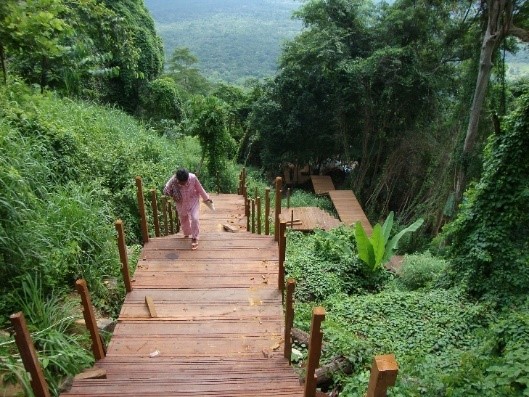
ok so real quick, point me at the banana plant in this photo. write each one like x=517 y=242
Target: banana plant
x=378 y=249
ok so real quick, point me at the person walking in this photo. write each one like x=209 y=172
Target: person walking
x=186 y=190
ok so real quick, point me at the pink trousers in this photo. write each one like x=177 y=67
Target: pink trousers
x=190 y=222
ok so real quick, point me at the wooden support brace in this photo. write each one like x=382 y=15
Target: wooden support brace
x=29 y=355
x=150 y=305
x=383 y=375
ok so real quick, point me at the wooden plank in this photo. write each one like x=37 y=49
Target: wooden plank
x=310 y=218
x=150 y=306
x=349 y=209
x=322 y=184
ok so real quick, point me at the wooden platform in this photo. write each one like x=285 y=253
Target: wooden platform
x=218 y=329
x=349 y=209
x=322 y=184
x=308 y=218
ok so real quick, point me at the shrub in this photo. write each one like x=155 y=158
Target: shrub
x=421 y=271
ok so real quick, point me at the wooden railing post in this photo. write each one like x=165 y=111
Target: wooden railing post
x=253 y=215
x=277 y=208
x=267 y=211
x=29 y=355
x=288 y=198
x=90 y=320
x=383 y=374
x=171 y=219
x=316 y=339
x=289 y=319
x=141 y=207
x=154 y=205
x=122 y=248
x=248 y=217
x=258 y=205
x=282 y=254
x=164 y=216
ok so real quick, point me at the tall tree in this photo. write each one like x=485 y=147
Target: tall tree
x=504 y=18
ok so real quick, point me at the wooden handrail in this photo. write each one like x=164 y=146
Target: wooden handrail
x=29 y=355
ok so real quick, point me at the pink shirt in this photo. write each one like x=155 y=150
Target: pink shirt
x=190 y=193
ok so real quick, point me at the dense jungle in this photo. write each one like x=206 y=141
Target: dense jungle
x=407 y=103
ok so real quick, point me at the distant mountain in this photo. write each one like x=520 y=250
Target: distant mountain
x=233 y=39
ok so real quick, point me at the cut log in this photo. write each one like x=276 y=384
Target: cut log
x=92 y=373
x=337 y=365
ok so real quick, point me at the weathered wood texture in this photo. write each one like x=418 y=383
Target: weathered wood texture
x=349 y=209
x=219 y=326
x=322 y=184
x=306 y=219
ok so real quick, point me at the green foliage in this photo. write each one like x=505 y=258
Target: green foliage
x=49 y=318
x=421 y=271
x=189 y=79
x=378 y=249
x=326 y=262
x=161 y=100
x=208 y=121
x=489 y=241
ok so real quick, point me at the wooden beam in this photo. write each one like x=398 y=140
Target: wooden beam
x=150 y=305
x=141 y=208
x=29 y=355
x=316 y=339
x=123 y=255
x=383 y=374
x=90 y=320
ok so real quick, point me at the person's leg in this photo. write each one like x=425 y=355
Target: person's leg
x=185 y=223
x=195 y=224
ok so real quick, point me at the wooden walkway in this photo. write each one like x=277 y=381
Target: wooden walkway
x=218 y=325
x=344 y=201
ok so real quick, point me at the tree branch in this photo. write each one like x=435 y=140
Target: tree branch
x=520 y=33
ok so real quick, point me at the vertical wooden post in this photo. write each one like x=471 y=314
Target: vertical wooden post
x=122 y=248
x=141 y=206
x=288 y=198
x=278 y=208
x=383 y=374
x=316 y=339
x=267 y=211
x=258 y=205
x=171 y=219
x=154 y=204
x=29 y=355
x=253 y=215
x=90 y=320
x=282 y=250
x=247 y=209
x=164 y=216
x=289 y=319
x=292 y=219
x=243 y=182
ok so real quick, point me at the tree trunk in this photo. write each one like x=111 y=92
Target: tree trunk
x=499 y=23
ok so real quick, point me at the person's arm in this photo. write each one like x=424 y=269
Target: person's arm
x=167 y=190
x=201 y=191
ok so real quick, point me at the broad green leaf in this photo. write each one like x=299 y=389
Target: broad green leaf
x=388 y=224
x=365 y=249
x=393 y=243
x=378 y=242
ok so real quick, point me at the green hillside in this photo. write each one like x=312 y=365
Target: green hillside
x=234 y=39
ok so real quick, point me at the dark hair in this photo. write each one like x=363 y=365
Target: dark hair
x=182 y=175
